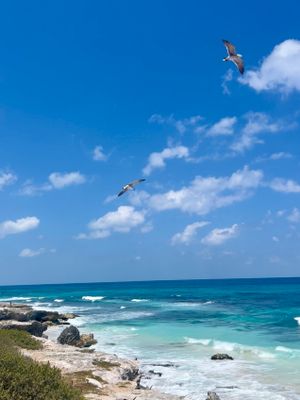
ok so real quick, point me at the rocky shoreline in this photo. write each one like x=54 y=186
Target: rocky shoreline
x=99 y=375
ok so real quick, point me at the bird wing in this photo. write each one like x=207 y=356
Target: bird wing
x=229 y=47
x=239 y=63
x=122 y=192
x=136 y=182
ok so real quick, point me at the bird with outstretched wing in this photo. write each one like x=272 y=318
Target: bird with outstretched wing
x=234 y=56
x=130 y=186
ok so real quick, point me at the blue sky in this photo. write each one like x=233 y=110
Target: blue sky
x=95 y=94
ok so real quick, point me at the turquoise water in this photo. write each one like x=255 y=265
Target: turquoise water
x=182 y=323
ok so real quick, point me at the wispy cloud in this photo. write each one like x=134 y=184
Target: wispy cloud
x=181 y=125
x=99 y=155
x=279 y=71
x=218 y=236
x=29 y=253
x=256 y=124
x=123 y=220
x=285 y=185
x=294 y=216
x=188 y=233
x=204 y=195
x=157 y=160
x=275 y=157
x=6 y=179
x=56 y=180
x=21 y=225
x=224 y=127
x=227 y=77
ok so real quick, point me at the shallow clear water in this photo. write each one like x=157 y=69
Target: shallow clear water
x=182 y=323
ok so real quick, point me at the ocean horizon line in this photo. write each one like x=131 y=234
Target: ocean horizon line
x=266 y=278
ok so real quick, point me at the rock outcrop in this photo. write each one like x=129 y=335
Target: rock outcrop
x=35 y=328
x=69 y=335
x=23 y=313
x=212 y=396
x=86 y=340
x=220 y=356
x=72 y=337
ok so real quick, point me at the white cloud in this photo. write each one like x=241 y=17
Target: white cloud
x=122 y=220
x=98 y=154
x=280 y=156
x=256 y=124
x=188 y=233
x=181 y=125
x=28 y=253
x=279 y=71
x=56 y=180
x=59 y=180
x=218 y=236
x=157 y=160
x=275 y=157
x=227 y=77
x=224 y=127
x=275 y=239
x=20 y=225
x=285 y=185
x=206 y=194
x=6 y=178
x=294 y=216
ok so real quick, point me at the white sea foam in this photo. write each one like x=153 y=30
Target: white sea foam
x=284 y=349
x=297 y=319
x=17 y=299
x=204 y=342
x=139 y=300
x=122 y=307
x=93 y=298
x=191 y=304
x=230 y=347
x=58 y=300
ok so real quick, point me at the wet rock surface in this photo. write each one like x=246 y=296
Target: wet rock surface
x=221 y=356
x=212 y=396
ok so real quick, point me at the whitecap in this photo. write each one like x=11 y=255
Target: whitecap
x=17 y=299
x=122 y=307
x=58 y=300
x=204 y=342
x=297 y=319
x=92 y=298
x=138 y=300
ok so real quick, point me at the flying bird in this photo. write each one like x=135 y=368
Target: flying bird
x=130 y=186
x=233 y=56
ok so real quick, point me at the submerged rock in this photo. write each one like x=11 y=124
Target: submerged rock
x=220 y=356
x=69 y=335
x=212 y=396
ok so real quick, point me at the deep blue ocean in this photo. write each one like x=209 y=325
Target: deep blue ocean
x=183 y=323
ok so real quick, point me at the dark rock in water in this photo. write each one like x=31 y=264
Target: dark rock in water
x=220 y=356
x=86 y=340
x=212 y=396
x=168 y=365
x=35 y=328
x=69 y=335
x=152 y=372
x=66 y=316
